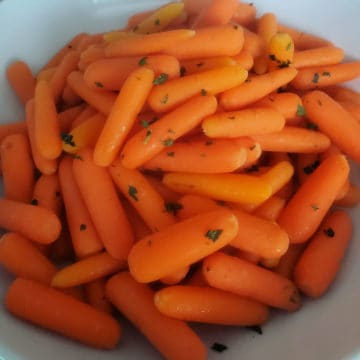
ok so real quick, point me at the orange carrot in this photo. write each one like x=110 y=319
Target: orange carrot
x=50 y=309
x=245 y=14
x=306 y=165
x=70 y=97
x=340 y=93
x=6 y=129
x=271 y=208
x=176 y=276
x=22 y=80
x=67 y=116
x=173 y=338
x=46 y=74
x=197 y=65
x=195 y=7
x=307 y=208
x=319 y=263
x=253 y=44
x=352 y=108
x=244 y=59
x=168 y=194
x=287 y=262
x=95 y=295
x=86 y=113
x=280 y=51
x=209 y=305
x=327 y=55
x=351 y=198
x=104 y=206
x=154 y=256
x=245 y=279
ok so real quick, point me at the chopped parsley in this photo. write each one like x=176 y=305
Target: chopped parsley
x=309 y=169
x=314 y=207
x=182 y=71
x=67 y=139
x=132 y=191
x=311 y=126
x=209 y=142
x=288 y=46
x=315 y=79
x=165 y=99
x=284 y=64
x=82 y=227
x=272 y=57
x=214 y=234
x=235 y=27
x=147 y=136
x=203 y=92
x=326 y=73
x=145 y=123
x=300 y=110
x=255 y=328
x=218 y=347
x=76 y=156
x=329 y=232
x=161 y=79
x=173 y=207
x=143 y=61
x=99 y=84
x=34 y=202
x=168 y=142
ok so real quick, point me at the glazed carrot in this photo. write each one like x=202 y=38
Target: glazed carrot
x=197 y=65
x=47 y=128
x=246 y=122
x=173 y=338
x=152 y=139
x=253 y=44
x=256 y=88
x=247 y=256
x=245 y=14
x=38 y=224
x=293 y=140
x=244 y=59
x=53 y=310
x=67 y=116
x=176 y=276
x=70 y=97
x=104 y=206
x=322 y=76
x=84 y=115
x=122 y=117
x=17 y=168
x=241 y=188
x=46 y=74
x=110 y=74
x=280 y=51
x=101 y=101
x=88 y=269
x=141 y=194
x=209 y=305
x=168 y=195
x=195 y=7
x=137 y=18
x=306 y=165
x=181 y=244
x=340 y=93
x=90 y=55
x=141 y=45
x=226 y=40
x=271 y=208
x=22 y=80
x=95 y=295
x=175 y=92
x=200 y=156
x=307 y=208
x=326 y=113
x=6 y=129
x=287 y=262
x=47 y=193
x=351 y=198
x=22 y=258
x=352 y=108
x=319 y=263
x=245 y=279
x=326 y=55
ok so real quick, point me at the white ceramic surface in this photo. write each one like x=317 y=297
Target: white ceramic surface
x=327 y=329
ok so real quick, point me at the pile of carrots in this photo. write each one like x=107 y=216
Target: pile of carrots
x=188 y=165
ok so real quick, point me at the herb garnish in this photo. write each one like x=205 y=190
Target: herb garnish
x=147 y=136
x=67 y=139
x=218 y=347
x=99 y=84
x=213 y=234
x=161 y=79
x=132 y=191
x=329 y=232
x=82 y=227
x=300 y=110
x=143 y=61
x=315 y=79
x=168 y=142
x=173 y=207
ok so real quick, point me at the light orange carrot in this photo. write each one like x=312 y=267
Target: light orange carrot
x=69 y=97
x=46 y=74
x=253 y=44
x=195 y=7
x=244 y=59
x=96 y=297
x=84 y=115
x=245 y=14
x=6 y=129
x=327 y=55
x=352 y=108
x=287 y=262
x=197 y=65
x=341 y=93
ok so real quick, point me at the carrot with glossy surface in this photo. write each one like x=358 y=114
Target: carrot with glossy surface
x=288 y=261
x=67 y=116
x=11 y=128
x=176 y=276
x=197 y=65
x=253 y=43
x=326 y=55
x=96 y=297
x=271 y=208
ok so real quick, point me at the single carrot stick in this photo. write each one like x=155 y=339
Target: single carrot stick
x=352 y=108
x=176 y=276
x=351 y=198
x=53 y=310
x=101 y=101
x=69 y=97
x=200 y=156
x=247 y=256
x=244 y=59
x=340 y=93
x=327 y=114
x=196 y=279
x=253 y=43
x=22 y=258
x=122 y=117
x=154 y=256
x=280 y=51
x=247 y=122
x=307 y=208
x=245 y=279
x=96 y=297
x=193 y=66
x=168 y=194
x=22 y=80
x=174 y=339
x=84 y=115
x=17 y=168
x=226 y=40
x=47 y=129
x=104 y=206
x=141 y=45
x=326 y=55
x=256 y=88
x=287 y=262
x=89 y=40
x=177 y=91
x=38 y=224
x=323 y=76
x=86 y=270
x=152 y=139
x=306 y=165
x=209 y=305
x=293 y=140
x=141 y=194
x=46 y=74
x=195 y=7
x=245 y=14
x=319 y=263
x=241 y=188
x=91 y=54
x=137 y=18
x=18 y=127
x=271 y=208
x=67 y=116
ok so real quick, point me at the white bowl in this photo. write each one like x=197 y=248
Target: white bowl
x=326 y=329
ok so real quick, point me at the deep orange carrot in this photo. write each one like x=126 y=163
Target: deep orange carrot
x=341 y=93
x=22 y=258
x=84 y=115
x=287 y=262
x=176 y=276
x=62 y=249
x=271 y=208
x=53 y=310
x=327 y=55
x=197 y=65
x=18 y=127
x=93 y=53
x=174 y=339
x=69 y=97
x=352 y=108
x=243 y=278
x=319 y=263
x=96 y=297
x=307 y=208
x=22 y=80
x=245 y=14
x=306 y=165
x=104 y=206
x=181 y=244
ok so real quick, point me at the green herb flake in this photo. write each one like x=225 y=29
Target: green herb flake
x=329 y=232
x=300 y=110
x=312 y=126
x=319 y=102
x=99 y=84
x=147 y=136
x=311 y=168
x=252 y=147
x=143 y=61
x=76 y=157
x=315 y=79
x=173 y=207
x=165 y=99
x=82 y=227
x=272 y=57
x=182 y=71
x=235 y=26
x=145 y=123
x=288 y=46
x=132 y=191
x=157 y=22
x=161 y=79
x=170 y=153
x=214 y=234
x=218 y=347
x=34 y=202
x=255 y=328
x=326 y=73
x=203 y=92
x=168 y=142
x=314 y=207
x=284 y=64
x=171 y=131
x=67 y=139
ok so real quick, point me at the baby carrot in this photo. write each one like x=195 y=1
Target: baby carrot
x=244 y=59
x=88 y=269
x=271 y=208
x=53 y=310
x=319 y=263
x=93 y=53
x=197 y=65
x=341 y=93
x=256 y=88
x=177 y=91
x=173 y=338
x=245 y=14
x=352 y=108
x=128 y=104
x=195 y=7
x=17 y=168
x=326 y=113
x=96 y=297
x=67 y=116
x=18 y=127
x=104 y=205
x=46 y=74
x=251 y=281
x=351 y=198
x=86 y=113
x=181 y=244
x=308 y=206
x=70 y=97
x=22 y=258
x=22 y=80
x=326 y=55
x=155 y=137
x=280 y=51
x=253 y=44
x=208 y=305
x=176 y=276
